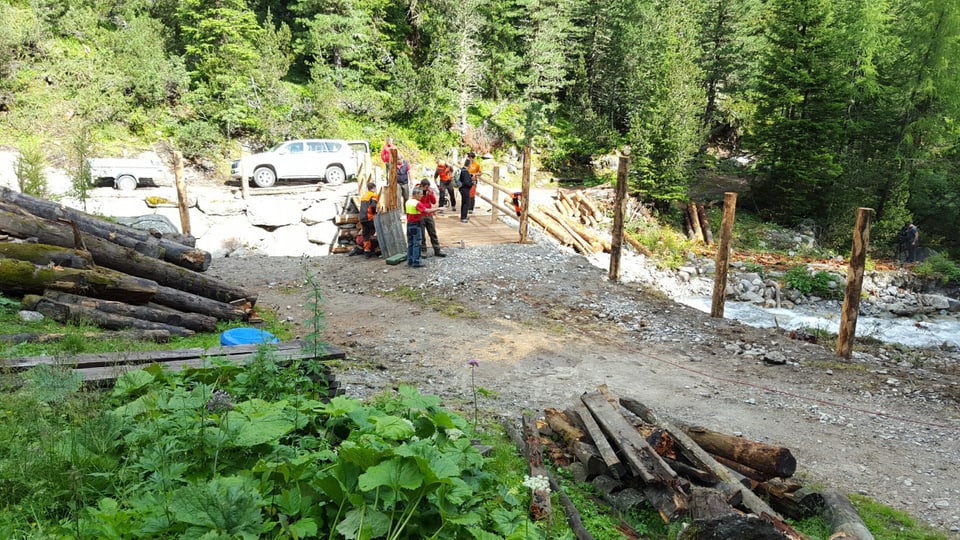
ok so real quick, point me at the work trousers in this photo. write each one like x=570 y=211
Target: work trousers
x=464 y=201
x=414 y=235
x=447 y=187
x=429 y=227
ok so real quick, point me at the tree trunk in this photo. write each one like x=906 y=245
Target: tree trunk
x=694 y=221
x=192 y=303
x=705 y=224
x=192 y=321
x=21 y=277
x=111 y=255
x=46 y=255
x=156 y=336
x=845 y=522
x=562 y=426
x=764 y=458
x=609 y=456
x=63 y=312
x=171 y=250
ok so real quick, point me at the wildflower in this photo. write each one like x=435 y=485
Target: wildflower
x=537 y=483
x=220 y=402
x=473 y=362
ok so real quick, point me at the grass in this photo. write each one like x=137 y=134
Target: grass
x=445 y=306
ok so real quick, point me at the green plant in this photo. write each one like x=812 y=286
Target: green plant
x=29 y=170
x=889 y=524
x=81 y=148
x=938 y=267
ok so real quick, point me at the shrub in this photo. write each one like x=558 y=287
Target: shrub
x=28 y=169
x=198 y=140
x=938 y=267
x=800 y=279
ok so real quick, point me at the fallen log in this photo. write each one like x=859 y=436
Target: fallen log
x=705 y=224
x=562 y=426
x=845 y=522
x=740 y=527
x=21 y=277
x=116 y=257
x=635 y=243
x=582 y=244
x=660 y=483
x=46 y=255
x=192 y=303
x=179 y=251
x=65 y=312
x=747 y=472
x=539 y=497
x=552 y=228
x=700 y=458
x=775 y=461
x=191 y=321
x=588 y=455
x=798 y=504
x=156 y=336
x=586 y=201
x=573 y=515
x=595 y=242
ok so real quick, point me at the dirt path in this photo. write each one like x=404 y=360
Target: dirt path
x=546 y=327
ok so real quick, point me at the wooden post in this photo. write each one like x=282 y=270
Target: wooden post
x=705 y=225
x=619 y=211
x=723 y=254
x=182 y=202
x=525 y=201
x=694 y=216
x=496 y=193
x=244 y=188
x=851 y=295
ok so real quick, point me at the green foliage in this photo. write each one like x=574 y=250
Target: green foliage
x=802 y=280
x=81 y=148
x=888 y=524
x=938 y=267
x=199 y=140
x=669 y=247
x=247 y=453
x=29 y=170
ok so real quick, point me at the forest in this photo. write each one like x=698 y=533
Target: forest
x=823 y=106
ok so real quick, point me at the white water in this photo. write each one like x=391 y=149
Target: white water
x=933 y=333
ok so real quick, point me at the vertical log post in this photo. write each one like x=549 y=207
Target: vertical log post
x=723 y=255
x=705 y=225
x=182 y=204
x=391 y=193
x=244 y=188
x=525 y=197
x=496 y=194
x=695 y=222
x=851 y=295
x=619 y=211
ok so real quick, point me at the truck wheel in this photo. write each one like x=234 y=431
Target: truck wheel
x=264 y=176
x=335 y=175
x=126 y=183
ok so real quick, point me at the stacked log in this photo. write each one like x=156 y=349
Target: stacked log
x=348 y=225
x=623 y=448
x=569 y=220
x=70 y=266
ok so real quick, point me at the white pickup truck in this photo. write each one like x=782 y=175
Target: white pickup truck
x=128 y=173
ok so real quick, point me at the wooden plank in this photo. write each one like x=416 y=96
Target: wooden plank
x=660 y=483
x=91 y=360
x=617 y=468
x=107 y=373
x=390 y=232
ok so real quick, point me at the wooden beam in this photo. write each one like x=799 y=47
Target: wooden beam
x=851 y=294
x=723 y=255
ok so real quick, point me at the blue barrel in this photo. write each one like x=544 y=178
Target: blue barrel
x=246 y=336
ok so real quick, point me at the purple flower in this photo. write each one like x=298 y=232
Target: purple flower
x=473 y=362
x=220 y=402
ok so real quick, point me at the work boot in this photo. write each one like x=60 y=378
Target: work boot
x=439 y=253
x=369 y=254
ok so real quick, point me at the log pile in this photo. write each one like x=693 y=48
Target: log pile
x=348 y=225
x=570 y=220
x=70 y=266
x=730 y=487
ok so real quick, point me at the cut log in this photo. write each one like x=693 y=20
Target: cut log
x=614 y=465
x=844 y=520
x=747 y=472
x=660 y=483
x=699 y=457
x=192 y=303
x=798 y=504
x=586 y=201
x=562 y=426
x=20 y=277
x=552 y=227
x=116 y=257
x=588 y=455
x=582 y=244
x=156 y=336
x=573 y=515
x=64 y=313
x=46 y=255
x=705 y=224
x=765 y=458
x=191 y=321
x=594 y=240
x=695 y=221
x=734 y=526
x=708 y=504
x=539 y=498
x=635 y=243
x=179 y=251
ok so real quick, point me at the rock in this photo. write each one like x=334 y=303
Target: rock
x=776 y=358
x=264 y=212
x=30 y=316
